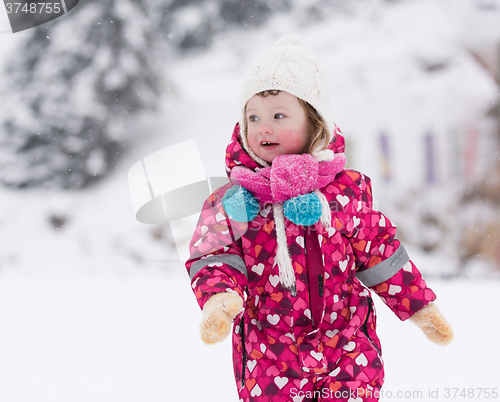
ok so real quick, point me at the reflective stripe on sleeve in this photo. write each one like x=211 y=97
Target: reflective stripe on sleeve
x=233 y=260
x=384 y=270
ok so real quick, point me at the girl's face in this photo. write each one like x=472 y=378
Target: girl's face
x=277 y=125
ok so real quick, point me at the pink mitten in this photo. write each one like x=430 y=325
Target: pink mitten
x=218 y=314
x=434 y=325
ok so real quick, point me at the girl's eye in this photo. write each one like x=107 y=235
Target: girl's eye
x=279 y=116
x=253 y=118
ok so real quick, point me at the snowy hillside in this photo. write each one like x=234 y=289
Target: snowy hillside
x=90 y=310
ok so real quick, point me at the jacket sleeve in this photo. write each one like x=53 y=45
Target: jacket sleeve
x=216 y=263
x=382 y=263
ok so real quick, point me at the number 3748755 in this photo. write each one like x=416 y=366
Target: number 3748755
x=471 y=393
x=33 y=8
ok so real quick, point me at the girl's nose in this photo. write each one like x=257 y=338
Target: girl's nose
x=265 y=128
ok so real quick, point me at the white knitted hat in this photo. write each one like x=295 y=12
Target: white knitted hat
x=288 y=66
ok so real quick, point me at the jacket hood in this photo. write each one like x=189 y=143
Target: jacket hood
x=236 y=155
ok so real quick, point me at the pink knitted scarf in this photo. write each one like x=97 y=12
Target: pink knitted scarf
x=289 y=176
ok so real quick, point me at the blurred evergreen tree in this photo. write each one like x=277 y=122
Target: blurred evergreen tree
x=69 y=86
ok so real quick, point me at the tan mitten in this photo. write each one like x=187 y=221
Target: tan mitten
x=434 y=325
x=218 y=314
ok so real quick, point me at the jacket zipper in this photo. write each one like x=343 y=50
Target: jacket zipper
x=321 y=284
x=244 y=357
x=365 y=324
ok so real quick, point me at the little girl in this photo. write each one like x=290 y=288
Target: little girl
x=288 y=249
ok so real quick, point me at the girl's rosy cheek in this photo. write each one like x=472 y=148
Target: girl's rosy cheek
x=288 y=135
x=291 y=138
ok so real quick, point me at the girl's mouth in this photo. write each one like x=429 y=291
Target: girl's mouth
x=268 y=144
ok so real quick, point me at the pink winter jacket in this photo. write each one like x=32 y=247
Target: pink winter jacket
x=359 y=251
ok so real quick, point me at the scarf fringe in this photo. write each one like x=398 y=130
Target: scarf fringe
x=287 y=274
x=326 y=213
x=283 y=259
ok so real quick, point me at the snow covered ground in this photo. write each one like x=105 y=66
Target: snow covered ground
x=85 y=313
x=136 y=338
